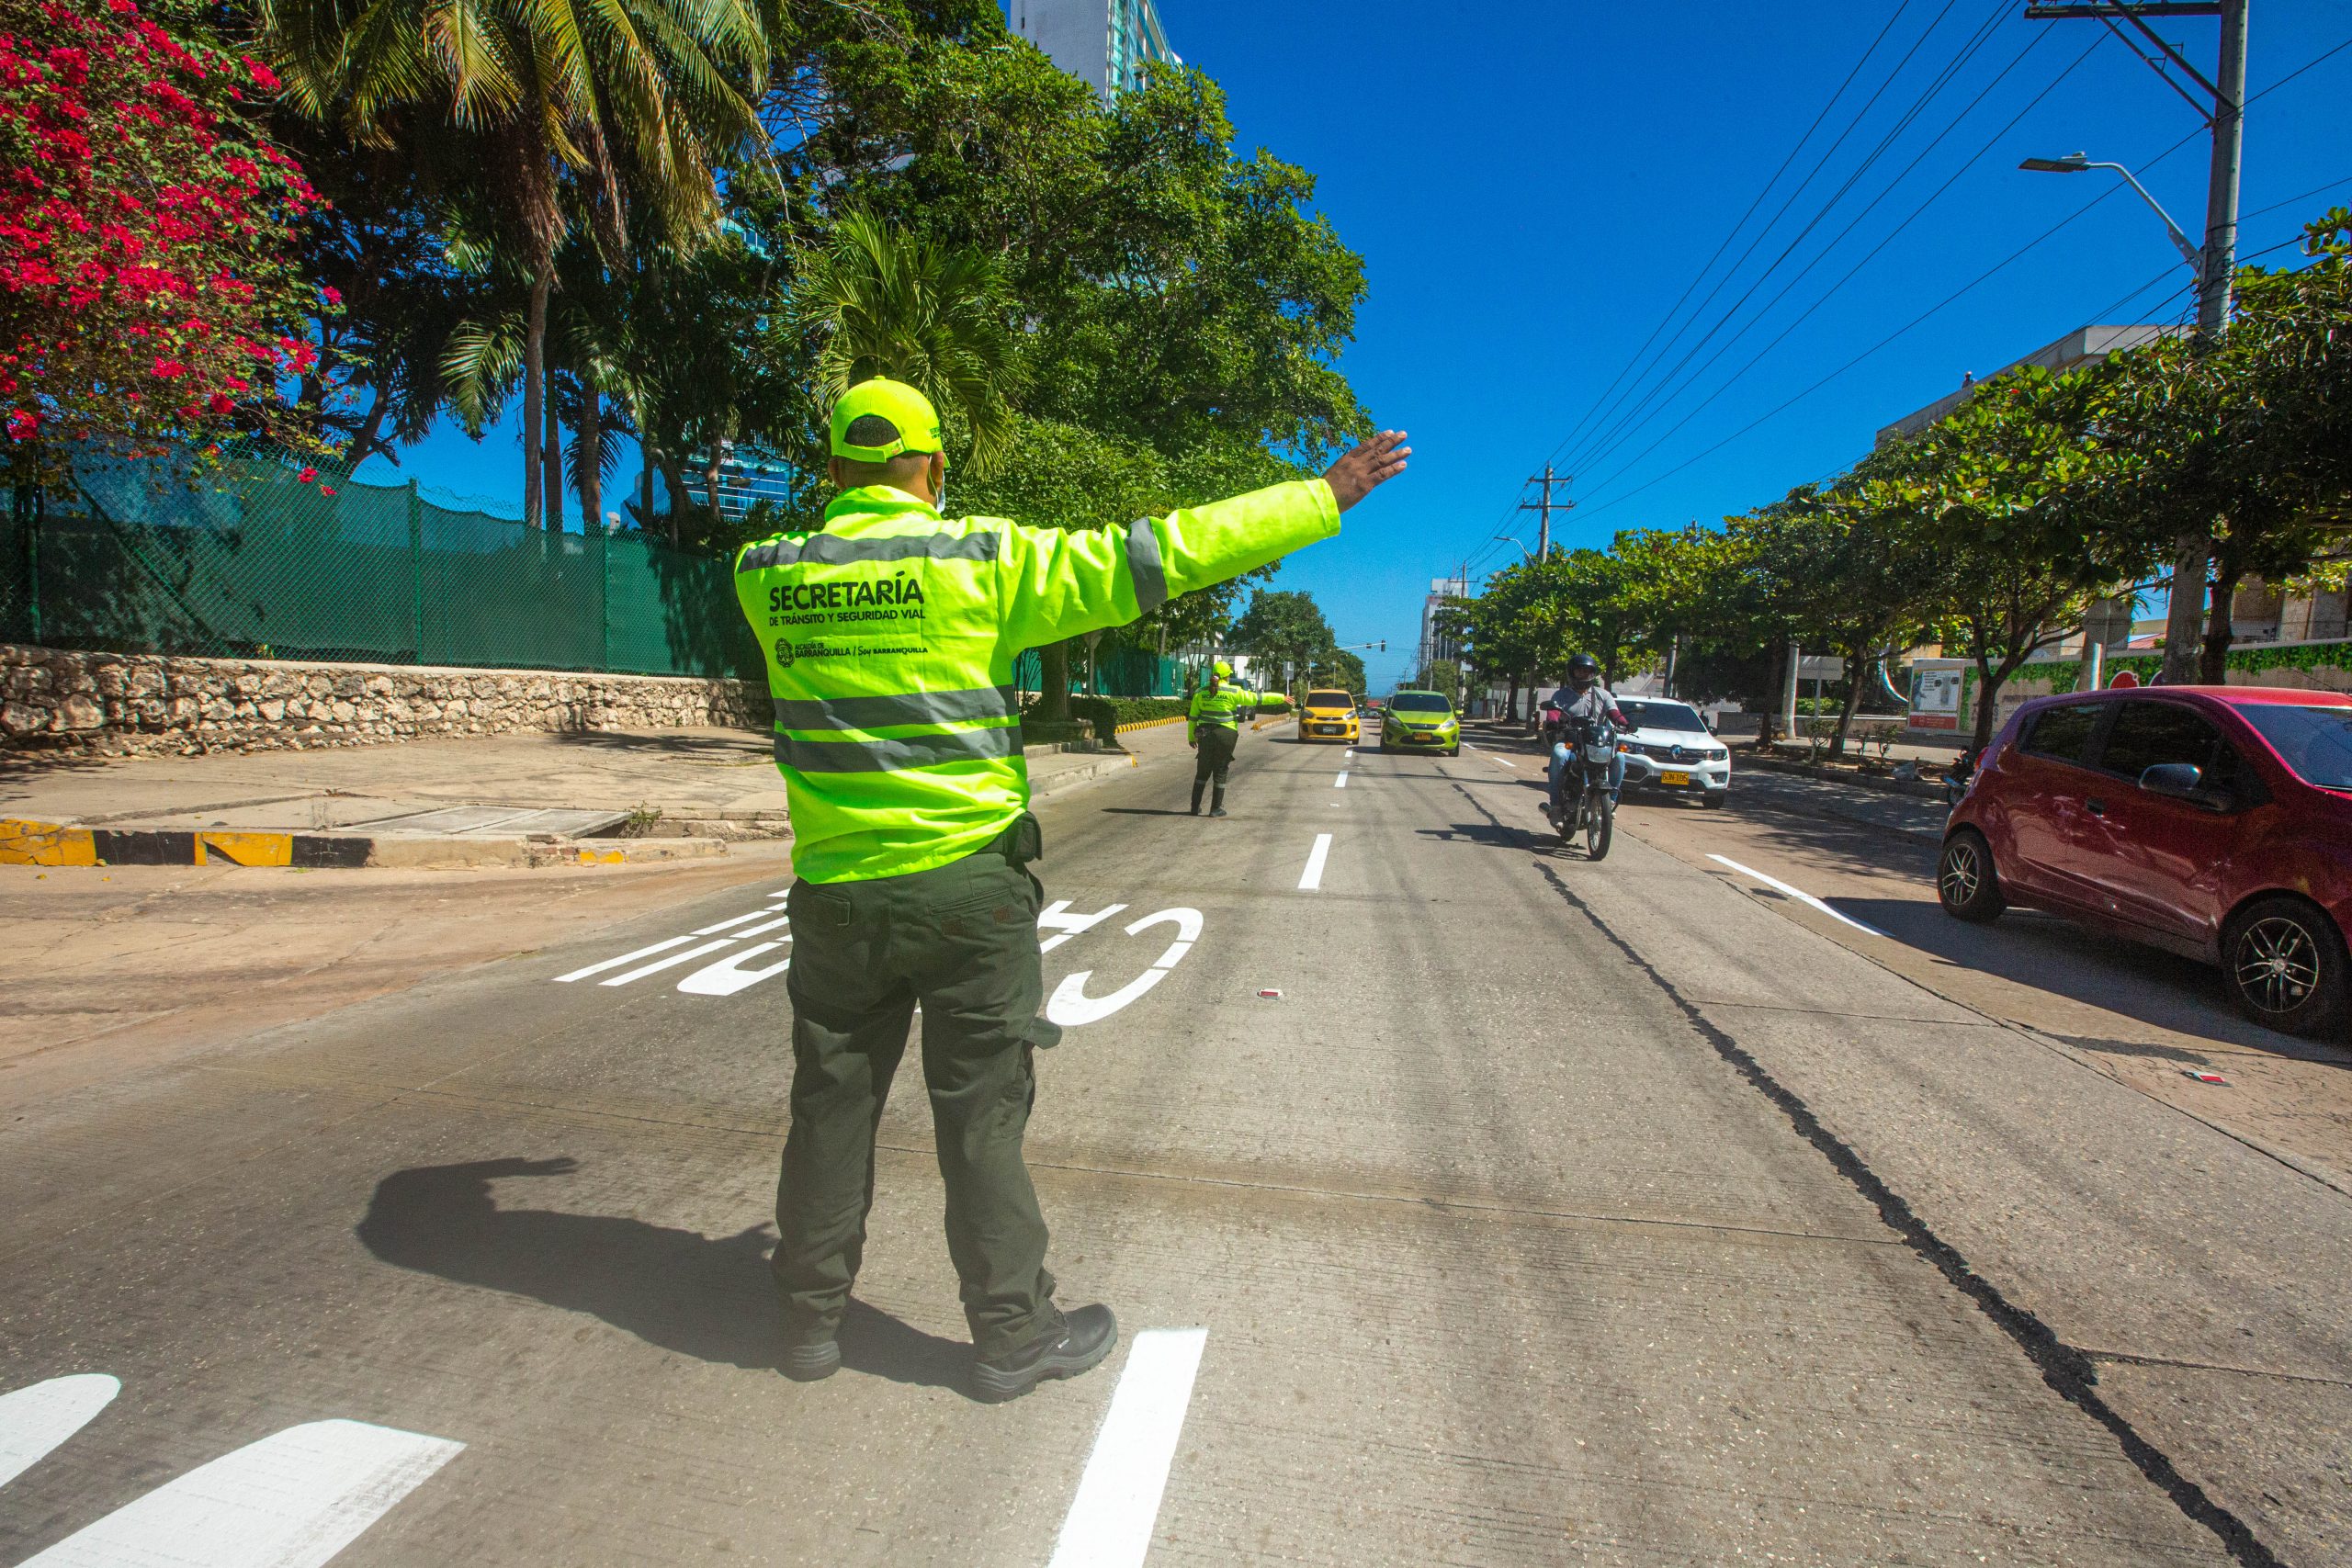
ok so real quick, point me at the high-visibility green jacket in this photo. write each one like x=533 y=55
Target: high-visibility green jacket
x=890 y=637
x=1223 y=706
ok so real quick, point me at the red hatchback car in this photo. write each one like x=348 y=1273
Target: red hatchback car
x=2213 y=820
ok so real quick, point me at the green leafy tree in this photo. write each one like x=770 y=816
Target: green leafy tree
x=1286 y=628
x=563 y=111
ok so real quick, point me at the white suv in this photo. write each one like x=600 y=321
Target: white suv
x=1670 y=747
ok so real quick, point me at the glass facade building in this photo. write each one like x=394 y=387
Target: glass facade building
x=1108 y=44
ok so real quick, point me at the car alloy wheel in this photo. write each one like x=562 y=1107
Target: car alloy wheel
x=2285 y=966
x=1966 y=884
x=2278 y=963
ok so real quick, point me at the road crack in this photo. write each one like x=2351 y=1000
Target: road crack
x=2071 y=1372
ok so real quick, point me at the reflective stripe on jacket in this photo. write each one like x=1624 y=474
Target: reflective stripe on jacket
x=889 y=639
x=1223 y=706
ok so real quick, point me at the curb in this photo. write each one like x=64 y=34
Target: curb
x=1149 y=723
x=50 y=843
x=1920 y=788
x=1070 y=777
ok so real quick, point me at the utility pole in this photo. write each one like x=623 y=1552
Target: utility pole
x=1545 y=507
x=2217 y=266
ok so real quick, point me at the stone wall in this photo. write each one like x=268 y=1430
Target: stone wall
x=118 y=703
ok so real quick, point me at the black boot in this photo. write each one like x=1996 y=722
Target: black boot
x=1069 y=1345
x=1198 y=785
x=1216 y=802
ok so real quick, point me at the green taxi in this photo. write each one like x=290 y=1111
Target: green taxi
x=1421 y=721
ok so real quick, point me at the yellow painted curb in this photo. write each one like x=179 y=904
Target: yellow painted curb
x=1149 y=724
x=45 y=843
x=244 y=849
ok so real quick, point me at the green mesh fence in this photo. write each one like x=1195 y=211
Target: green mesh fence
x=247 y=562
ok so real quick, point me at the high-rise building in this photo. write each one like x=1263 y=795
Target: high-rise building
x=1438 y=646
x=1105 y=43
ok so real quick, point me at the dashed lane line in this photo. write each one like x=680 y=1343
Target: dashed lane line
x=1111 y=1521
x=1342 y=782
x=1312 y=878
x=1799 y=893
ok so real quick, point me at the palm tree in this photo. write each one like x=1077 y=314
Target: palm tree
x=623 y=105
x=916 y=312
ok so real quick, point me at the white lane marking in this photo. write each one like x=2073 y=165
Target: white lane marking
x=624 y=958
x=1070 y=1006
x=1058 y=917
x=1497 y=760
x=292 y=1500
x=34 y=1420
x=723 y=925
x=726 y=975
x=1312 y=878
x=1111 y=1521
x=761 y=930
x=642 y=970
x=1799 y=893
x=1342 y=782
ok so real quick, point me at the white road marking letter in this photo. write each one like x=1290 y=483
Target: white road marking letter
x=642 y=970
x=292 y=1500
x=1057 y=915
x=1070 y=1006
x=1312 y=878
x=36 y=1419
x=1799 y=893
x=1110 y=1521
x=723 y=925
x=728 y=975
x=624 y=958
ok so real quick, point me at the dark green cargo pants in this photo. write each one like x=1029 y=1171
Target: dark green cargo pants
x=962 y=939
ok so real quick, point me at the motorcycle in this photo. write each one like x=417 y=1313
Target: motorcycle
x=1584 y=788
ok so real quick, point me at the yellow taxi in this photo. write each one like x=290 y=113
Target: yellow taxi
x=1328 y=715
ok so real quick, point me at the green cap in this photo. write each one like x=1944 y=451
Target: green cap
x=1224 y=672
x=913 y=422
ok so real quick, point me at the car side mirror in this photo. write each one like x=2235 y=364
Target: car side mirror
x=2183 y=781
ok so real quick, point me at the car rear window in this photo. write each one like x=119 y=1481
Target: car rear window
x=2064 y=733
x=2317 y=742
x=1330 y=700
x=1419 y=702
x=2146 y=734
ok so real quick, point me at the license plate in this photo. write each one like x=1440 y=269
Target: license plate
x=1674 y=778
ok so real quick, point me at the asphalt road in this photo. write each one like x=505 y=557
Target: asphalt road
x=1547 y=1212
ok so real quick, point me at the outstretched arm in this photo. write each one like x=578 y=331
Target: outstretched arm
x=1062 y=584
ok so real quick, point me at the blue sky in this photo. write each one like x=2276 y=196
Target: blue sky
x=1533 y=185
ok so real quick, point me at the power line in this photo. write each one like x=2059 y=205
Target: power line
x=1733 y=233
x=1917 y=213
x=1967 y=50
x=1851 y=272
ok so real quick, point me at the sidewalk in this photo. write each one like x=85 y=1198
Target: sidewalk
x=518 y=799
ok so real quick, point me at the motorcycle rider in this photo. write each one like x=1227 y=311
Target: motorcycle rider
x=1583 y=703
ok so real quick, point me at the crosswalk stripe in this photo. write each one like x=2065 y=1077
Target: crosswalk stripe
x=35 y=1420
x=292 y=1500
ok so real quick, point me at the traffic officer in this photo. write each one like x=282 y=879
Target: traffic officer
x=889 y=639
x=1212 y=729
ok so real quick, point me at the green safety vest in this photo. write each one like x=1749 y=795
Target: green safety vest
x=890 y=636
x=1223 y=706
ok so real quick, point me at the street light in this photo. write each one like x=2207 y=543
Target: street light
x=2078 y=163
x=1507 y=539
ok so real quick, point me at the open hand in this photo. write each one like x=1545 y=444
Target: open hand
x=1369 y=463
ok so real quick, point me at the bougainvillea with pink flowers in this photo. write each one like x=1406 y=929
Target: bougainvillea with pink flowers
x=147 y=291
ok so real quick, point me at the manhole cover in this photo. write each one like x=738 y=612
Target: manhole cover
x=502 y=821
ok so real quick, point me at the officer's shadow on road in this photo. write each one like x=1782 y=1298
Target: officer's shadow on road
x=708 y=1297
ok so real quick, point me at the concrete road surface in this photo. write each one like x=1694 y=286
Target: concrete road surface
x=1527 y=1209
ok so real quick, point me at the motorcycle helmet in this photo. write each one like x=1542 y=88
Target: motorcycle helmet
x=1583 y=670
